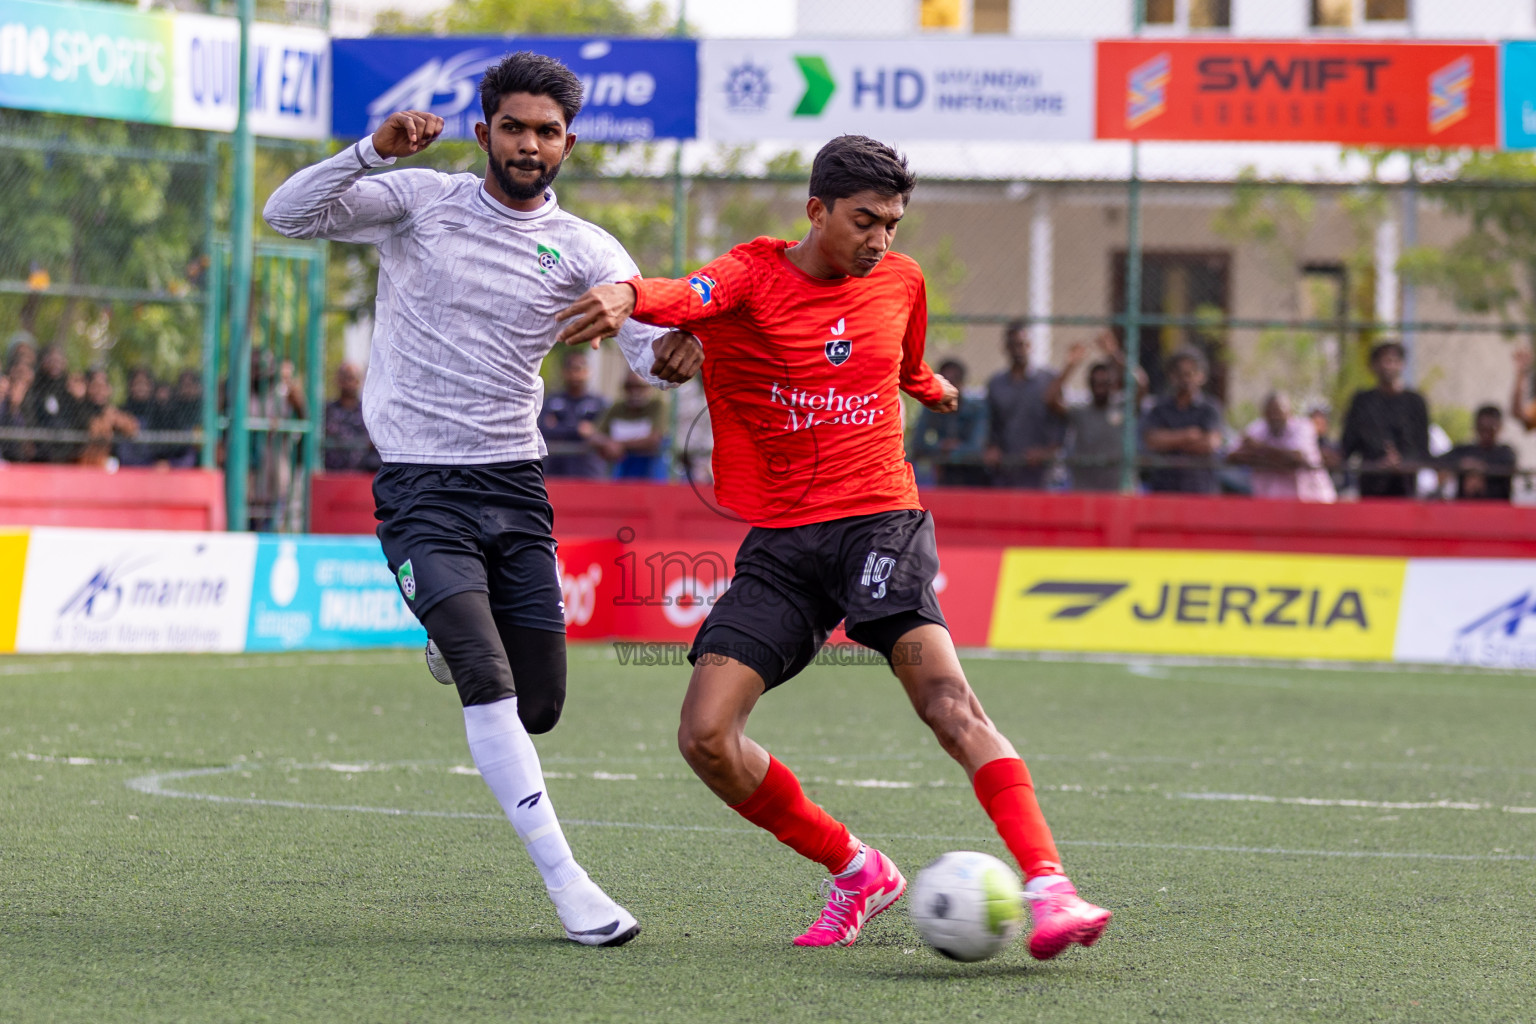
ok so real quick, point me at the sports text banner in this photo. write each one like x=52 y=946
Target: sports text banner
x=320 y=593
x=1361 y=93
x=100 y=60
x=635 y=89
x=135 y=590
x=1197 y=602
x=903 y=89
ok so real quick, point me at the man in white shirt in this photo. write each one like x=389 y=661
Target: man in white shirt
x=471 y=273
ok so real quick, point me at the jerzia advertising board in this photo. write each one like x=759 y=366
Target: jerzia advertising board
x=1356 y=93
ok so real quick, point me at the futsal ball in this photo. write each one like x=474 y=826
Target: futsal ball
x=967 y=905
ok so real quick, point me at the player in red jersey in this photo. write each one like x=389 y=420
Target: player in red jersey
x=806 y=345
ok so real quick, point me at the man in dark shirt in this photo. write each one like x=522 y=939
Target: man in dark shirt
x=347 y=446
x=1024 y=434
x=1387 y=426
x=1184 y=430
x=954 y=441
x=569 y=421
x=1484 y=469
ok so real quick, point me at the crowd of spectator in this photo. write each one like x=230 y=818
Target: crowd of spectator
x=1024 y=431
x=50 y=412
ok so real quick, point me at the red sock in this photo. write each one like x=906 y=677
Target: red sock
x=781 y=806
x=1008 y=796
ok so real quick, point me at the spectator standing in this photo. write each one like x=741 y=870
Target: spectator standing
x=347 y=447
x=13 y=402
x=1184 y=428
x=1322 y=427
x=954 y=442
x=1096 y=428
x=1387 y=427
x=276 y=395
x=1485 y=469
x=568 y=421
x=630 y=432
x=1283 y=453
x=145 y=410
x=50 y=406
x=1024 y=436
x=104 y=422
x=181 y=412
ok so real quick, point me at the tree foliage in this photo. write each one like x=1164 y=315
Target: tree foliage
x=529 y=17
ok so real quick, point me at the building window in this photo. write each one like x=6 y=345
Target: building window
x=1188 y=14
x=1349 y=13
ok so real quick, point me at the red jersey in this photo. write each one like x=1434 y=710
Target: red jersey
x=802 y=378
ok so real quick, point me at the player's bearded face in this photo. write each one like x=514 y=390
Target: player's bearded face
x=532 y=175
x=526 y=142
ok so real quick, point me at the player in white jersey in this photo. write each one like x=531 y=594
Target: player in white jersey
x=471 y=273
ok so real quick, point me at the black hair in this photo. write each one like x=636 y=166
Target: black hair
x=1488 y=410
x=1381 y=348
x=1188 y=355
x=946 y=364
x=1102 y=366
x=1013 y=327
x=534 y=74
x=850 y=164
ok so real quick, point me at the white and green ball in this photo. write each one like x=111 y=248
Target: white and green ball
x=967 y=905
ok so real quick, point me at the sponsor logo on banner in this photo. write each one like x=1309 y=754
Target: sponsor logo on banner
x=13 y=565
x=900 y=89
x=1518 y=68
x=100 y=60
x=290 y=77
x=1361 y=92
x=635 y=89
x=321 y=593
x=1258 y=605
x=135 y=590
x=1469 y=611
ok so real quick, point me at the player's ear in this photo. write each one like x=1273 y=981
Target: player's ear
x=570 y=140
x=816 y=210
x=483 y=135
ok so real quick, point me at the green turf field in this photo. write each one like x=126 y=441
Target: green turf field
x=1382 y=870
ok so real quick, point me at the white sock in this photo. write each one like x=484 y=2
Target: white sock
x=854 y=865
x=1044 y=882
x=510 y=766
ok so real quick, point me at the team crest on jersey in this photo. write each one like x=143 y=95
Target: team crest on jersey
x=703 y=287
x=838 y=348
x=407 y=577
x=548 y=258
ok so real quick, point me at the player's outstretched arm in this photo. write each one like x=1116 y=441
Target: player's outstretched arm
x=332 y=199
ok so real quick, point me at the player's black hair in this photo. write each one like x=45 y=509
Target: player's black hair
x=850 y=164
x=1381 y=348
x=534 y=74
x=1488 y=410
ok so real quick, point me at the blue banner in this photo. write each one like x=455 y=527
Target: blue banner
x=1518 y=62
x=635 y=89
x=322 y=593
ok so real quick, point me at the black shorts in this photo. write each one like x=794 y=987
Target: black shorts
x=451 y=529
x=793 y=585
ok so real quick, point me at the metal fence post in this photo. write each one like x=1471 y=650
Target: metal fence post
x=1132 y=322
x=237 y=453
x=315 y=377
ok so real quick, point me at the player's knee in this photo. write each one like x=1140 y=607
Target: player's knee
x=540 y=714
x=705 y=746
x=949 y=710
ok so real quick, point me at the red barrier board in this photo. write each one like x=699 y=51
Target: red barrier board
x=129 y=499
x=1352 y=92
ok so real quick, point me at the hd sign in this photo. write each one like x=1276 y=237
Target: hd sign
x=1356 y=93
x=903 y=90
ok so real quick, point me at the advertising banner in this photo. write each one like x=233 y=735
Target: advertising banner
x=13 y=563
x=1358 y=93
x=1517 y=65
x=1469 y=611
x=322 y=593
x=100 y=60
x=1198 y=602
x=897 y=89
x=635 y=89
x=290 y=77
x=135 y=590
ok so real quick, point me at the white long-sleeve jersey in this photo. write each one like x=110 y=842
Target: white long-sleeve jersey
x=468 y=291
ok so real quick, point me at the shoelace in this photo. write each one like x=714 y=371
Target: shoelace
x=839 y=906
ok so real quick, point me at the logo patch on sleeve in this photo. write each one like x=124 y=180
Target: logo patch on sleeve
x=547 y=258
x=703 y=287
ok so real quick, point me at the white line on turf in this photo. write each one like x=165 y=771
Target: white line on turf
x=154 y=784
x=1381 y=805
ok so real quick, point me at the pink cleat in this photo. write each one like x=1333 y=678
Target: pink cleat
x=1062 y=918
x=852 y=902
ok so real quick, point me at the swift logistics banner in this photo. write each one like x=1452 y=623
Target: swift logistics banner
x=636 y=89
x=897 y=89
x=1353 y=92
